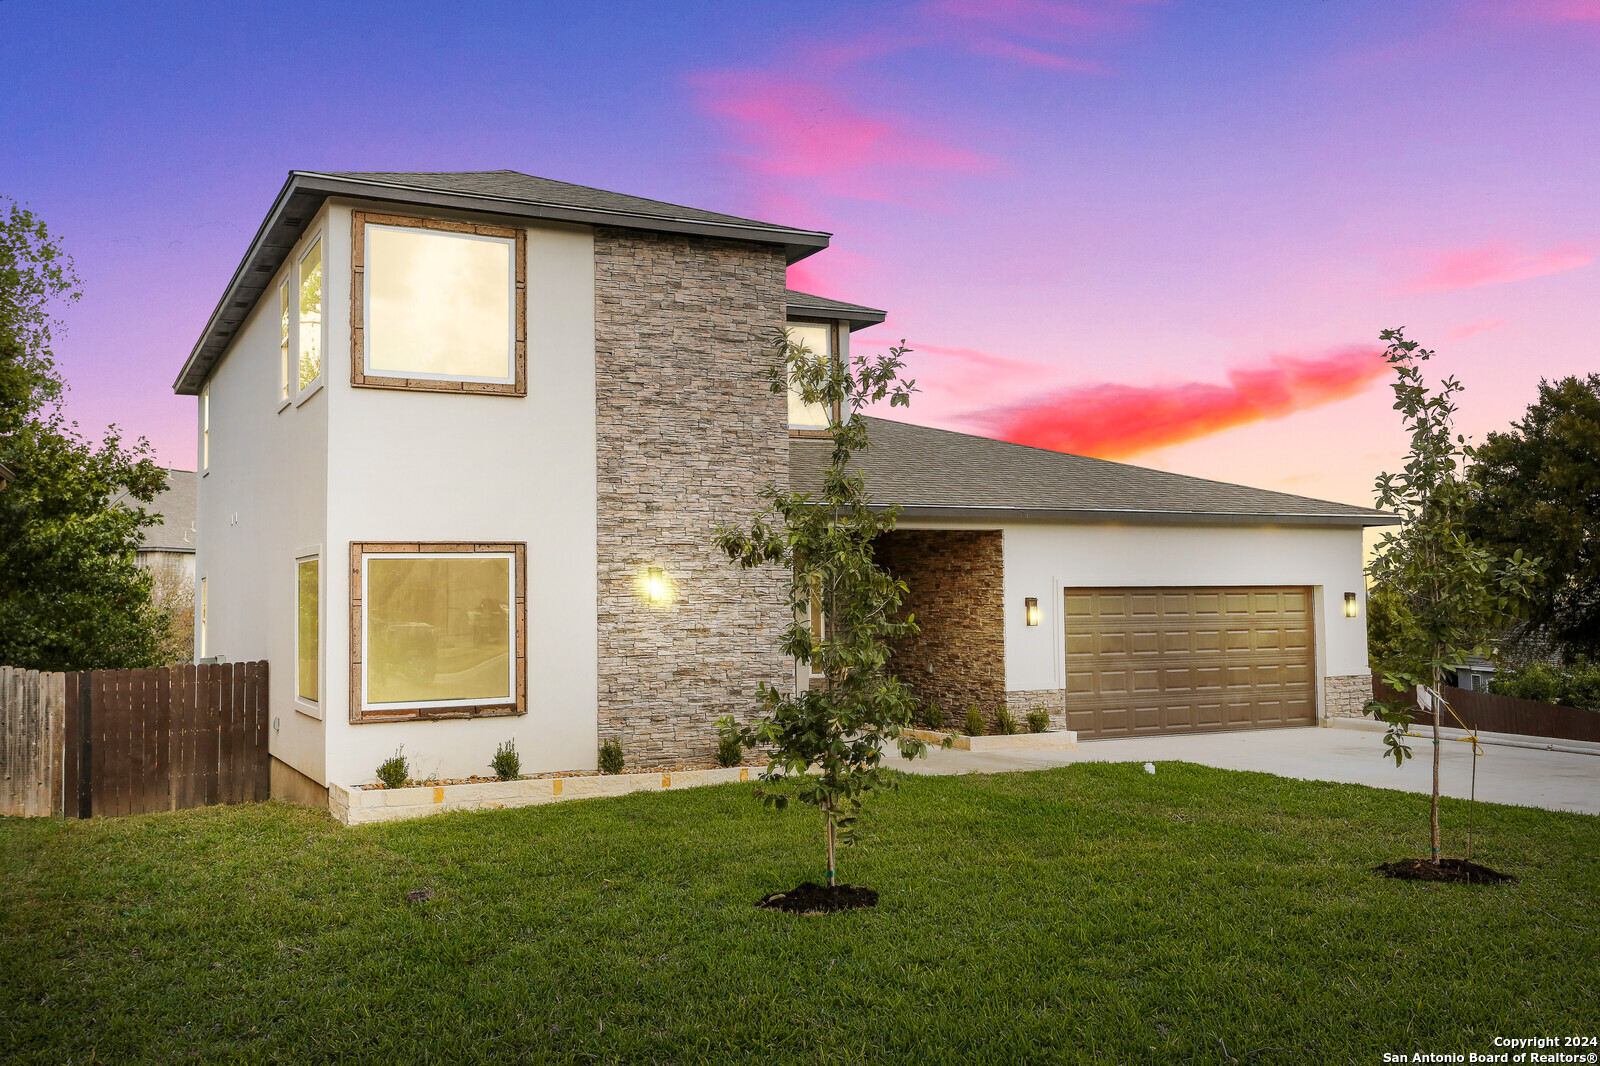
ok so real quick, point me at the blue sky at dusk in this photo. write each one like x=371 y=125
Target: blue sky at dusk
x=1161 y=232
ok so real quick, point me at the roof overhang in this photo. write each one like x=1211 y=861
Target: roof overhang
x=304 y=193
x=857 y=316
x=1132 y=516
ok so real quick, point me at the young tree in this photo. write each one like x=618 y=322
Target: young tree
x=71 y=595
x=1538 y=488
x=1445 y=597
x=841 y=728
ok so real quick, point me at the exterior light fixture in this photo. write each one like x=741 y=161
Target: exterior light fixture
x=655 y=585
x=1032 y=605
x=1349 y=604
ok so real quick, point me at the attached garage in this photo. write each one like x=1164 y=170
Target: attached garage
x=1144 y=661
x=1124 y=601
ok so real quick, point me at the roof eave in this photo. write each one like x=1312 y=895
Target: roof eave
x=306 y=191
x=857 y=319
x=1085 y=514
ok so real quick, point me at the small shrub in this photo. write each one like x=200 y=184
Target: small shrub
x=933 y=716
x=611 y=761
x=975 y=727
x=729 y=751
x=394 y=770
x=1039 y=720
x=1007 y=724
x=506 y=764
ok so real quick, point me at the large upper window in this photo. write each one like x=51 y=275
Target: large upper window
x=307 y=629
x=440 y=629
x=818 y=340
x=441 y=305
x=311 y=316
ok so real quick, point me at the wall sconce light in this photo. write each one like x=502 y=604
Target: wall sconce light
x=656 y=590
x=1349 y=604
x=1032 y=606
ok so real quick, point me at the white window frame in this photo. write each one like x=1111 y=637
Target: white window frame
x=286 y=339
x=205 y=430
x=311 y=240
x=833 y=329
x=204 y=610
x=310 y=708
x=511 y=659
x=367 y=368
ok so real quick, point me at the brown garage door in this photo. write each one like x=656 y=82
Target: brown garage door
x=1187 y=660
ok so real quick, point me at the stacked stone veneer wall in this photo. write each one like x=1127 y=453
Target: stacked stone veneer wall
x=958 y=599
x=1343 y=696
x=688 y=435
x=1023 y=702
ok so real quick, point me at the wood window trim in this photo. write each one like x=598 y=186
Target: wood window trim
x=358 y=551
x=833 y=339
x=359 y=221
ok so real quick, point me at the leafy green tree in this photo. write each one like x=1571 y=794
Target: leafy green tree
x=1538 y=488
x=71 y=595
x=1445 y=596
x=827 y=744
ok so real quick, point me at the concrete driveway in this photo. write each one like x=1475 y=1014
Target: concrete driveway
x=1522 y=776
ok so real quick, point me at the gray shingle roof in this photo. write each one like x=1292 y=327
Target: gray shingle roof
x=176 y=506
x=500 y=192
x=806 y=305
x=937 y=473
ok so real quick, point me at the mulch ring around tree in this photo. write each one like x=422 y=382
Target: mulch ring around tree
x=812 y=898
x=1444 y=870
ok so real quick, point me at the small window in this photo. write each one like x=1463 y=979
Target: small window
x=311 y=316
x=205 y=429
x=283 y=342
x=818 y=341
x=204 y=604
x=440 y=631
x=440 y=306
x=819 y=619
x=308 y=629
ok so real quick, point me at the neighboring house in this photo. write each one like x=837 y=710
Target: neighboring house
x=464 y=438
x=169 y=544
x=6 y=476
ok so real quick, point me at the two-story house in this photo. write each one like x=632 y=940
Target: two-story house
x=464 y=437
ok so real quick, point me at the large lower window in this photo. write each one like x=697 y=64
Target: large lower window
x=308 y=642
x=440 y=630
x=441 y=305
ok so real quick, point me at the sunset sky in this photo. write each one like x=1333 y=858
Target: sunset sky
x=1162 y=232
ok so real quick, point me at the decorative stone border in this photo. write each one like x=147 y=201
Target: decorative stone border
x=1054 y=740
x=354 y=805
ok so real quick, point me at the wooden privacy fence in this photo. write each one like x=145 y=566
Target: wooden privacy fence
x=116 y=742
x=1489 y=713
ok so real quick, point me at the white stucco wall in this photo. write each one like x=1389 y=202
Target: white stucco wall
x=260 y=501
x=1041 y=559
x=428 y=466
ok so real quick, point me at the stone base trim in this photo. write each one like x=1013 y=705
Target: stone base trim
x=360 y=806
x=1055 y=740
x=1343 y=696
x=1054 y=700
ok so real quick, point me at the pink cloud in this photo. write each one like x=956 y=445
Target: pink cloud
x=1558 y=10
x=1113 y=421
x=794 y=129
x=1461 y=333
x=1033 y=57
x=1494 y=264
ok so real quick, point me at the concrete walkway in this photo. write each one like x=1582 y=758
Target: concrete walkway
x=1521 y=776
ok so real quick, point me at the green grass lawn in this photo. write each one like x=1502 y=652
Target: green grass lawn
x=1090 y=913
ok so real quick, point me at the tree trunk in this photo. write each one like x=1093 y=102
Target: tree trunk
x=1434 y=817
x=828 y=831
